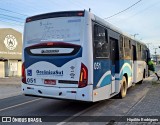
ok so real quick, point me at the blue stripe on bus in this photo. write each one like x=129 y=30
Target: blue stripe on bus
x=100 y=71
x=127 y=68
x=106 y=81
x=106 y=66
x=57 y=61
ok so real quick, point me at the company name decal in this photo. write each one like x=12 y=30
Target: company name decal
x=49 y=51
x=76 y=20
x=49 y=72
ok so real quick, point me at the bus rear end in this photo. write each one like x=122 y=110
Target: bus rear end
x=53 y=62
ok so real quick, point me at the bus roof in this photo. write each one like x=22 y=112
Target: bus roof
x=55 y=14
x=112 y=27
x=80 y=13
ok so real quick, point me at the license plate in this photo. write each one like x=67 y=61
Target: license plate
x=50 y=82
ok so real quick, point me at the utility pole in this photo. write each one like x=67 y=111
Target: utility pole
x=155 y=54
x=135 y=35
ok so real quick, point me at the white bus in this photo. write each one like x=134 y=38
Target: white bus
x=78 y=56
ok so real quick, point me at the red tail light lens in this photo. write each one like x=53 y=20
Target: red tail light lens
x=50 y=44
x=80 y=14
x=23 y=74
x=28 y=20
x=83 y=80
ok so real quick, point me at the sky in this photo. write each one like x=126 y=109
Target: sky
x=142 y=19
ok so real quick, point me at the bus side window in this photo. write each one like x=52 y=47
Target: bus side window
x=144 y=53
x=121 y=48
x=127 y=48
x=100 y=42
x=139 y=51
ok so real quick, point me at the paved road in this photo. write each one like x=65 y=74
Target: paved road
x=30 y=106
x=10 y=87
x=135 y=103
x=9 y=90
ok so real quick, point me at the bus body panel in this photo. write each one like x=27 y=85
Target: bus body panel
x=103 y=89
x=55 y=49
x=44 y=70
x=126 y=68
x=59 y=93
x=102 y=73
x=140 y=68
x=62 y=70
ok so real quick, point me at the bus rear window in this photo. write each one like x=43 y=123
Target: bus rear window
x=63 y=29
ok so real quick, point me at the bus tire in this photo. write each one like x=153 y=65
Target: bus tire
x=124 y=86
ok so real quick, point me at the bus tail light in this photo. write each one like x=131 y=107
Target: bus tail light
x=23 y=74
x=83 y=80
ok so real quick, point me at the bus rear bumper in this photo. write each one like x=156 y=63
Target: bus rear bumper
x=81 y=94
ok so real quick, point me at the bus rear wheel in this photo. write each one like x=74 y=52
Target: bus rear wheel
x=123 y=90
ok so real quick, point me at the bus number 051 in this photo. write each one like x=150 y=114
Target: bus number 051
x=97 y=65
x=31 y=80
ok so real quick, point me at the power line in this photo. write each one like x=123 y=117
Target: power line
x=123 y=10
x=11 y=16
x=12 y=12
x=11 y=23
x=139 y=12
x=11 y=19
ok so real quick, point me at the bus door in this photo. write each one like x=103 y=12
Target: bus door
x=101 y=62
x=114 y=56
x=134 y=57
